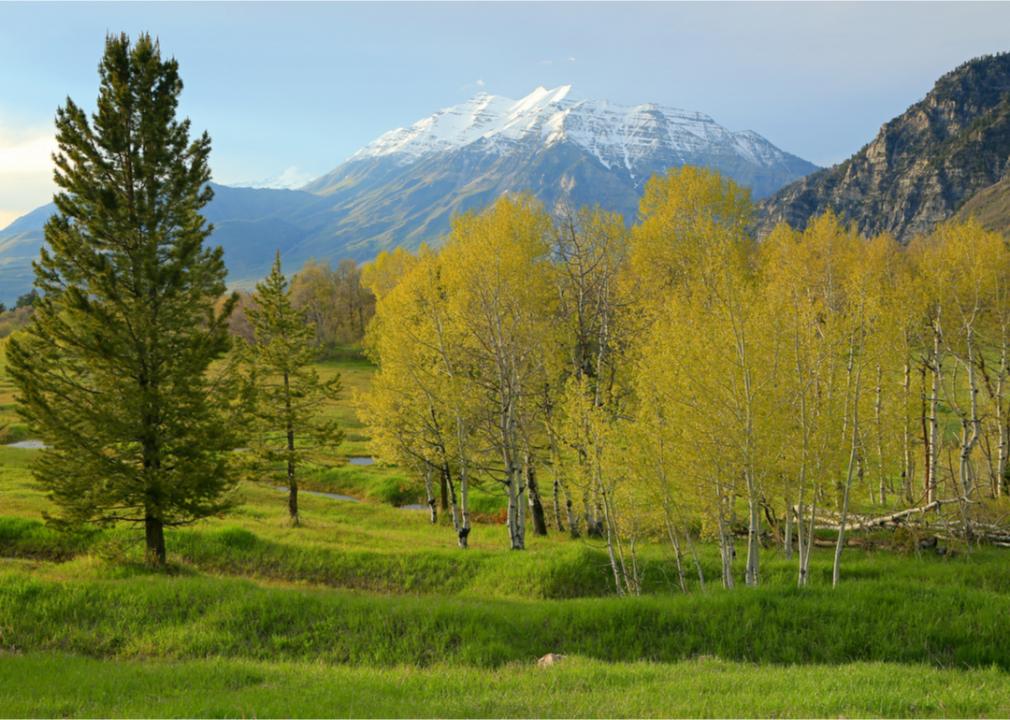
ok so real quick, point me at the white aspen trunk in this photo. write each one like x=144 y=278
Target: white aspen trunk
x=877 y=404
x=671 y=533
x=556 y=501
x=906 y=433
x=694 y=557
x=934 y=420
x=587 y=511
x=534 y=500
x=751 y=575
x=513 y=504
x=788 y=539
x=453 y=502
x=853 y=460
x=848 y=389
x=800 y=544
x=429 y=492
x=804 y=573
x=463 y=529
x=561 y=492
x=1001 y=459
x=573 y=518
x=725 y=542
x=801 y=377
x=521 y=508
x=618 y=570
x=970 y=437
x=513 y=477
x=726 y=556
x=753 y=538
x=1001 y=420
x=556 y=474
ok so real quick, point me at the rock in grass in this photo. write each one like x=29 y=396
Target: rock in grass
x=550 y=659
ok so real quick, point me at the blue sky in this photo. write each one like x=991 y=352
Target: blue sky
x=297 y=87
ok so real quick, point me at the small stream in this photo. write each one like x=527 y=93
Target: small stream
x=320 y=493
x=353 y=460
x=27 y=445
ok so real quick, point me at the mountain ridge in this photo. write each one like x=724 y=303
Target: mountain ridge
x=404 y=186
x=921 y=167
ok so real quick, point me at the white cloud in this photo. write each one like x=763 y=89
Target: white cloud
x=480 y=83
x=25 y=154
x=26 y=171
x=289 y=179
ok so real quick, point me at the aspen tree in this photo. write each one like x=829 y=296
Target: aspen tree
x=497 y=283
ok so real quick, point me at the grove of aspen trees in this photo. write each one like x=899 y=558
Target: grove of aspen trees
x=680 y=380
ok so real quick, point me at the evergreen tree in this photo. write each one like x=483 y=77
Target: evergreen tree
x=287 y=392
x=112 y=371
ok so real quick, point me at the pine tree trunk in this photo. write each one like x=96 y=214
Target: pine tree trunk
x=292 y=483
x=154 y=531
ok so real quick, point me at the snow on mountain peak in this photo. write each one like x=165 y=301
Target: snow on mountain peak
x=617 y=135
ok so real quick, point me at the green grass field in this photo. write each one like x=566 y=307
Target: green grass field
x=369 y=610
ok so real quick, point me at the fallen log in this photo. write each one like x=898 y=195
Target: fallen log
x=885 y=520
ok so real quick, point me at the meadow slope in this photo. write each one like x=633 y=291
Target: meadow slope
x=369 y=610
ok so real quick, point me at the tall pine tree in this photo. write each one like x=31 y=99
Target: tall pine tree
x=113 y=370
x=287 y=392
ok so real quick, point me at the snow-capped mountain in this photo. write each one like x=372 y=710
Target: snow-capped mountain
x=403 y=188
x=620 y=137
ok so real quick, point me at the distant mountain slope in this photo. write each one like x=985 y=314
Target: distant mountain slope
x=249 y=224
x=403 y=188
x=990 y=206
x=922 y=166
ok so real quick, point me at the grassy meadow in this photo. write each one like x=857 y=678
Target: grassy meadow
x=367 y=609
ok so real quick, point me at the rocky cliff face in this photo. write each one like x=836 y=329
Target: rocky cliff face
x=922 y=166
